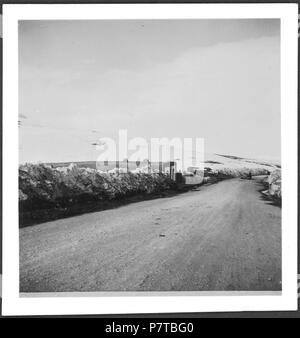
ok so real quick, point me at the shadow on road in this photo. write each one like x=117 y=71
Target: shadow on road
x=46 y=215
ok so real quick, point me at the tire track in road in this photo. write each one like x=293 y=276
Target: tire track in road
x=221 y=237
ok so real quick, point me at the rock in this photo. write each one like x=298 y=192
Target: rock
x=274 y=181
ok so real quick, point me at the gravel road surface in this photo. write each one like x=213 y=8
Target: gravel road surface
x=219 y=237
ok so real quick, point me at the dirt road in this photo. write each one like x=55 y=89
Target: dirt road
x=222 y=237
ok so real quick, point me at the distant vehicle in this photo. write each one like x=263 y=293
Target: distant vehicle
x=247 y=176
x=192 y=176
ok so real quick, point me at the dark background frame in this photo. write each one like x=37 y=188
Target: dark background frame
x=192 y=316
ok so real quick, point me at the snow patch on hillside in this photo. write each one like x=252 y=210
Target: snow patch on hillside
x=234 y=166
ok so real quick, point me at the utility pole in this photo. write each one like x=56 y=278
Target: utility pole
x=149 y=167
x=160 y=167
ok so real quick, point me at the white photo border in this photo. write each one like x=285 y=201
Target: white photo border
x=12 y=303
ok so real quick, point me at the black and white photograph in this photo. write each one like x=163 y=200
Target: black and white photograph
x=215 y=79
x=150 y=157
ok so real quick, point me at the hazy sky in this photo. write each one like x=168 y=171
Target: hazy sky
x=81 y=80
